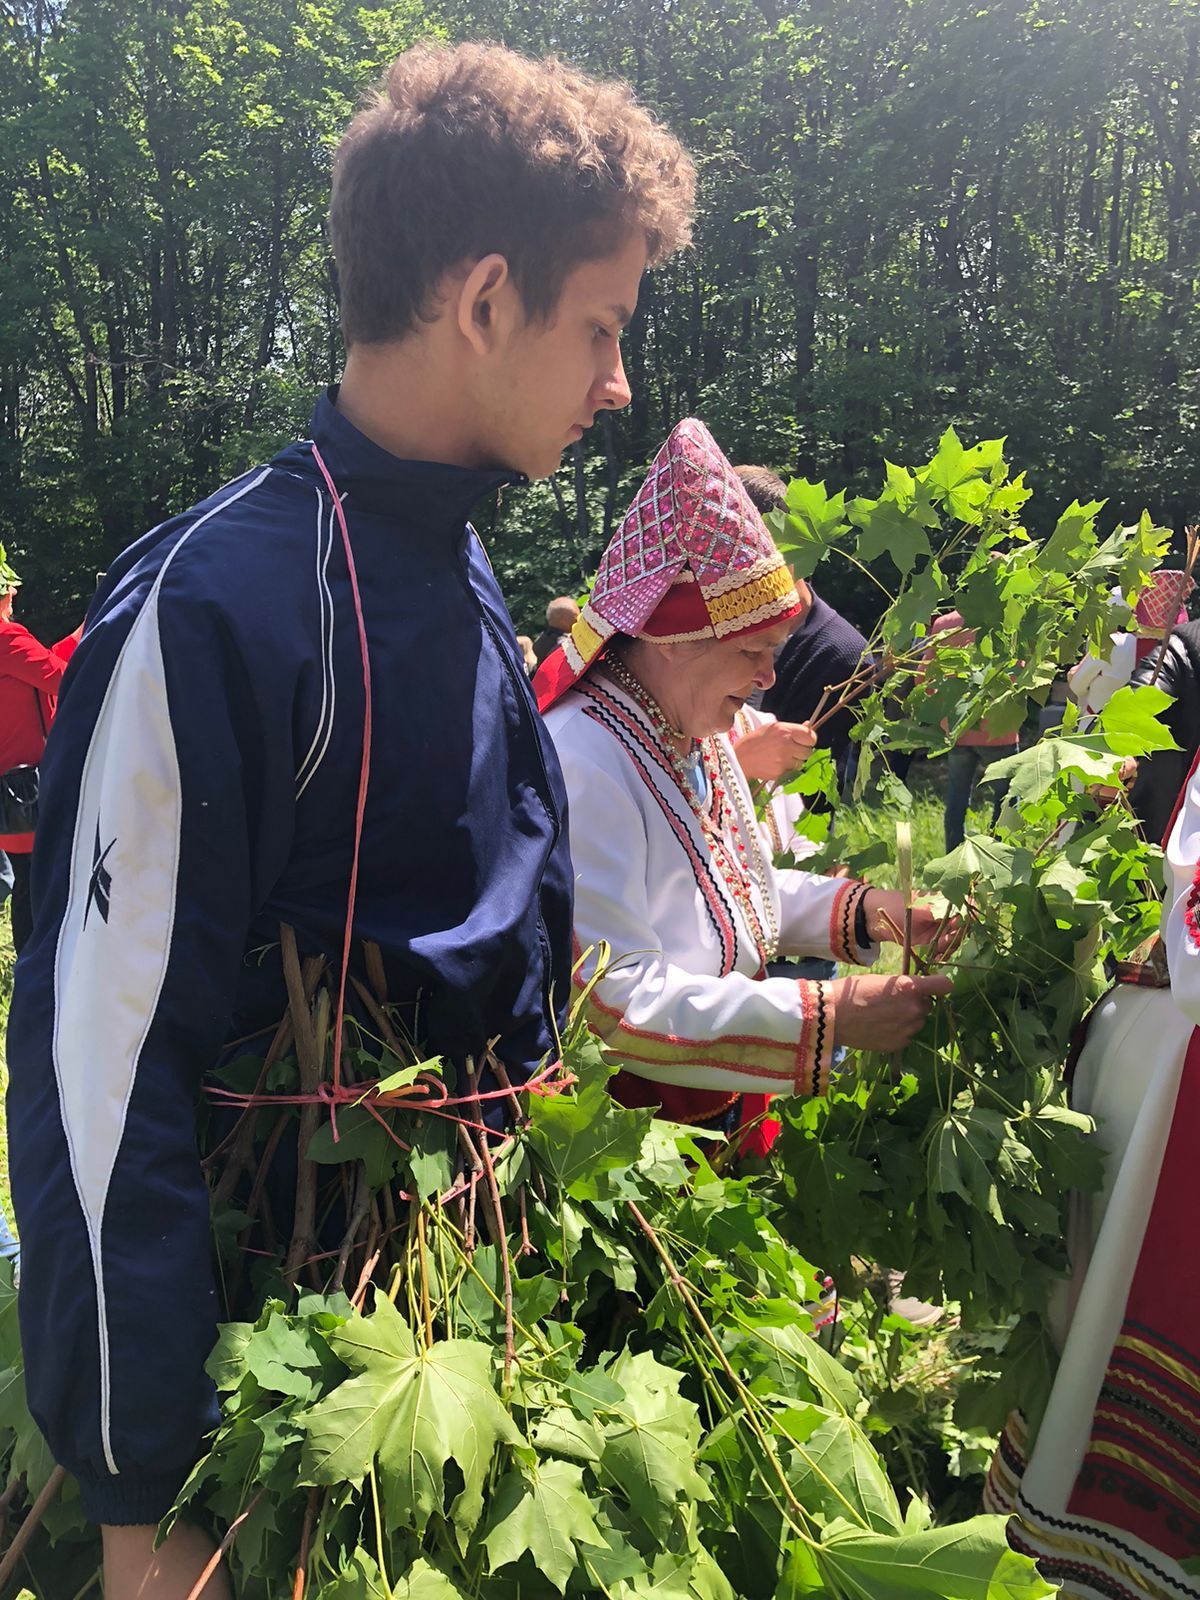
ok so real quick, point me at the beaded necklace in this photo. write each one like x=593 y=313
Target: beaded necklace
x=724 y=821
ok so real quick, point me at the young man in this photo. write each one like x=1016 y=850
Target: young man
x=491 y=219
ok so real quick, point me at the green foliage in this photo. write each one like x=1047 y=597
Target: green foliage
x=667 y=1424
x=953 y=1159
x=889 y=239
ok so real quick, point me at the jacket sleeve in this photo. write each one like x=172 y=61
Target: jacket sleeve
x=662 y=1022
x=33 y=663
x=168 y=795
x=818 y=916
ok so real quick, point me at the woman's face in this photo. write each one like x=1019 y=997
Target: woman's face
x=6 y=604
x=705 y=683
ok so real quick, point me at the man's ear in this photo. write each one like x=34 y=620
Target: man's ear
x=483 y=302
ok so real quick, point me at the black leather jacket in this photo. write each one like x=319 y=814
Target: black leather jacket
x=1161 y=775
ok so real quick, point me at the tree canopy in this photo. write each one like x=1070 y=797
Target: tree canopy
x=911 y=215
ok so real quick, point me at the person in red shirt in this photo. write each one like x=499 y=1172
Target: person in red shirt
x=29 y=678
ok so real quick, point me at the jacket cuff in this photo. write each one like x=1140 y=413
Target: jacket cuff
x=814 y=1055
x=842 y=918
x=130 y=1499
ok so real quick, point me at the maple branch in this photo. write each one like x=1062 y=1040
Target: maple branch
x=31 y=1523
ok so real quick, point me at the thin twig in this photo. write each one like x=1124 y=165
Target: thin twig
x=362 y=1204
x=373 y=959
x=510 y=1348
x=423 y=1258
x=684 y=1290
x=310 y=1517
x=527 y=1249
x=31 y=1523
x=218 y=1554
x=364 y=1279
x=380 y=1019
x=311 y=1031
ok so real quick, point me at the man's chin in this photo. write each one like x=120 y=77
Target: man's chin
x=544 y=465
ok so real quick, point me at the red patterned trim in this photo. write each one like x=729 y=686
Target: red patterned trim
x=738 y=1067
x=814 y=1054
x=750 y=1040
x=1191 y=909
x=841 y=921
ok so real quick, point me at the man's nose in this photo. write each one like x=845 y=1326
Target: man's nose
x=615 y=391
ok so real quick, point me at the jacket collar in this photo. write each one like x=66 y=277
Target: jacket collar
x=431 y=494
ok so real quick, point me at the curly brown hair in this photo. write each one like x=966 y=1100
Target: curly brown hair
x=471 y=150
x=766 y=489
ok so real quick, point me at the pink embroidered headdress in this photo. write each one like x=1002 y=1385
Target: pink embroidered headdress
x=692 y=560
x=1160 y=607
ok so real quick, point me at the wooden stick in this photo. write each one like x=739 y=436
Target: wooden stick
x=373 y=957
x=310 y=1516
x=364 y=1279
x=31 y=1524
x=362 y=1204
x=311 y=1034
x=218 y=1555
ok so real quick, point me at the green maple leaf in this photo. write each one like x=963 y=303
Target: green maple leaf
x=651 y=1445
x=579 y=1136
x=422 y=1581
x=812 y=522
x=541 y=1509
x=361 y=1137
x=963 y=1146
x=921 y=599
x=1073 y=540
x=560 y=1432
x=978 y=860
x=283 y=1359
x=891 y=529
x=961 y=478
x=788 y=1361
x=414 y=1409
x=695 y=1576
x=835 y=1471
x=1132 y=724
x=1033 y=772
x=971 y=1561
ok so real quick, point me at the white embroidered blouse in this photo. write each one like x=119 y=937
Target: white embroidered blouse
x=683 y=1000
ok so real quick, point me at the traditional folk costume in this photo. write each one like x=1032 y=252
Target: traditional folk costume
x=1094 y=680
x=673 y=875
x=1107 y=1495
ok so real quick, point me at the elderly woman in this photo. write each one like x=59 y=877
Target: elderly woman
x=672 y=873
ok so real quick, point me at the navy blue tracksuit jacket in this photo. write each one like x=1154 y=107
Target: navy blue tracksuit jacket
x=199 y=789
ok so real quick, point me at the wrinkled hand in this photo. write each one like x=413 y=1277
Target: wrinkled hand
x=879 y=1013
x=885 y=923
x=775 y=751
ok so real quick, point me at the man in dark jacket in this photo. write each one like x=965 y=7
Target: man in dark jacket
x=561 y=616
x=1160 y=776
x=825 y=649
x=204 y=782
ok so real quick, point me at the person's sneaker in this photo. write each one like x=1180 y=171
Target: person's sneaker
x=919 y=1312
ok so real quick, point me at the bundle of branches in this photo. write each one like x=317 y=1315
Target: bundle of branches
x=575 y=1360
x=954 y=1159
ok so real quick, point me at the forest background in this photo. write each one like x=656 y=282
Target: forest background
x=911 y=214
